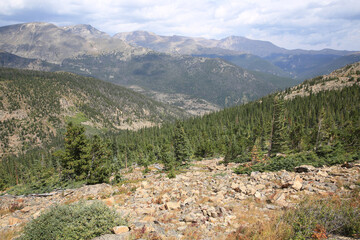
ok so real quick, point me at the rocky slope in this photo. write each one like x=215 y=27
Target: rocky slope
x=48 y=42
x=86 y=31
x=207 y=201
x=338 y=79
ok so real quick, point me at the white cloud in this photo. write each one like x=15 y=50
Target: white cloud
x=292 y=24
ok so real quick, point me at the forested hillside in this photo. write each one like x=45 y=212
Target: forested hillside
x=35 y=105
x=214 y=80
x=275 y=132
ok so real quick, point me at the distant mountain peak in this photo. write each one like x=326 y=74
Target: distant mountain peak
x=48 y=42
x=138 y=35
x=86 y=31
x=32 y=26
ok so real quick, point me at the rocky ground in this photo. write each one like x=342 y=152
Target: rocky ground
x=208 y=201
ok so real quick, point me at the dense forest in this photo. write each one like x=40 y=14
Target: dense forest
x=266 y=135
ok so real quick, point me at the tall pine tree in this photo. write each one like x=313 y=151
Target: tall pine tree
x=73 y=160
x=279 y=134
x=98 y=156
x=182 y=147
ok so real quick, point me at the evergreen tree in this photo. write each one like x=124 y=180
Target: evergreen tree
x=232 y=152
x=182 y=147
x=324 y=134
x=98 y=155
x=296 y=136
x=73 y=160
x=279 y=134
x=167 y=158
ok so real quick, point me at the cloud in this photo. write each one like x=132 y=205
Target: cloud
x=306 y=24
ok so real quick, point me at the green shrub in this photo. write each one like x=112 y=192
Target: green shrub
x=279 y=163
x=171 y=174
x=334 y=216
x=323 y=156
x=81 y=220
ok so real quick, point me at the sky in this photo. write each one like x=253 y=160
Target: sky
x=305 y=24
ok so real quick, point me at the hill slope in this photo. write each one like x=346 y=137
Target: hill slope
x=9 y=60
x=329 y=103
x=35 y=105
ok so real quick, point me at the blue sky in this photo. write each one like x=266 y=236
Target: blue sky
x=305 y=24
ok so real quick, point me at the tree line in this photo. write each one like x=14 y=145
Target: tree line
x=266 y=135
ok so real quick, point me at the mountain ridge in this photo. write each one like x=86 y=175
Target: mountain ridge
x=51 y=43
x=276 y=59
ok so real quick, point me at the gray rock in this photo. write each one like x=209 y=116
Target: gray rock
x=123 y=236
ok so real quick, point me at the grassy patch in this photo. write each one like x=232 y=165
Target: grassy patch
x=78 y=118
x=223 y=174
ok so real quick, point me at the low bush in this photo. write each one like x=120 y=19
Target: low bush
x=318 y=217
x=81 y=220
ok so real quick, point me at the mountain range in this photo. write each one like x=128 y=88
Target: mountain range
x=247 y=53
x=212 y=82
x=196 y=74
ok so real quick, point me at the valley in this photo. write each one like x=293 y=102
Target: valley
x=144 y=136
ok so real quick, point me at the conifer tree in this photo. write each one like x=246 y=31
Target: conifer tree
x=182 y=147
x=279 y=134
x=73 y=160
x=324 y=129
x=167 y=158
x=98 y=156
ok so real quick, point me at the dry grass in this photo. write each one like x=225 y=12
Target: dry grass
x=262 y=231
x=169 y=218
x=131 y=181
x=4 y=211
x=11 y=233
x=157 y=200
x=193 y=232
x=144 y=233
x=119 y=199
x=254 y=223
x=73 y=200
x=203 y=200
